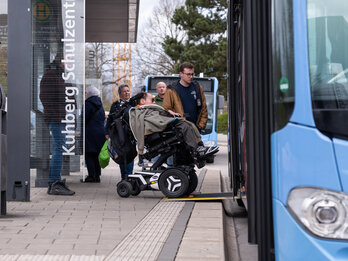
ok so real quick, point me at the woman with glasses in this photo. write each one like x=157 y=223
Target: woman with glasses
x=124 y=93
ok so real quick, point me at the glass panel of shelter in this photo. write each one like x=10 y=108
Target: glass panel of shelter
x=3 y=45
x=58 y=40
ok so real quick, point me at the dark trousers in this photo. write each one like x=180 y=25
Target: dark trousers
x=93 y=167
x=128 y=170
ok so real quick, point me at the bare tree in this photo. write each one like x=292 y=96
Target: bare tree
x=150 y=57
x=101 y=69
x=99 y=55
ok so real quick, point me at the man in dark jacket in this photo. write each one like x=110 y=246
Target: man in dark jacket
x=186 y=98
x=52 y=96
x=95 y=134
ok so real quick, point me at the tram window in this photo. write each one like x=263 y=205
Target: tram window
x=328 y=61
x=283 y=62
x=208 y=88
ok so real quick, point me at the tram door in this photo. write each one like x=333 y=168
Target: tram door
x=250 y=118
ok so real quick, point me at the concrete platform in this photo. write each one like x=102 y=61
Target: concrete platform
x=96 y=224
x=203 y=238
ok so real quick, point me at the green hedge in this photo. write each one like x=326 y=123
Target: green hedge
x=222 y=123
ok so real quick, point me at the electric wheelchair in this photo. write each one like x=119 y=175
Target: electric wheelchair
x=176 y=181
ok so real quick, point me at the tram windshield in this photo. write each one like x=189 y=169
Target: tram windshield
x=328 y=60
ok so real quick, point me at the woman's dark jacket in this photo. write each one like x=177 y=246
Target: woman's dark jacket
x=122 y=140
x=94 y=124
x=116 y=107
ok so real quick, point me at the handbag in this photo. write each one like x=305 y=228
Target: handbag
x=103 y=156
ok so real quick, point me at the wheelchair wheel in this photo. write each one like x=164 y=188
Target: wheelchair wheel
x=124 y=189
x=173 y=183
x=193 y=182
x=136 y=189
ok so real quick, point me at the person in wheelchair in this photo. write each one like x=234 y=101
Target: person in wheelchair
x=155 y=129
x=150 y=123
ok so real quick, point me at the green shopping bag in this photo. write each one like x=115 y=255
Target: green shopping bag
x=103 y=156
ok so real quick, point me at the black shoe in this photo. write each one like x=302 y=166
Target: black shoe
x=90 y=179
x=200 y=150
x=203 y=152
x=59 y=188
x=50 y=186
x=212 y=150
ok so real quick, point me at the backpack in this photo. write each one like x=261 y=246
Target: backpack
x=122 y=148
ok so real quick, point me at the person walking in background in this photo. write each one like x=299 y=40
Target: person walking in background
x=186 y=98
x=124 y=93
x=161 y=88
x=52 y=96
x=95 y=133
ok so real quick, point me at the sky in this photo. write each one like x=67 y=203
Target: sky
x=146 y=7
x=3 y=7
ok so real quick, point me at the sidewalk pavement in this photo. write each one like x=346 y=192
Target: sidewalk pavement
x=96 y=224
x=222 y=139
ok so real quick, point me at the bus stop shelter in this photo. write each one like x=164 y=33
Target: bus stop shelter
x=37 y=31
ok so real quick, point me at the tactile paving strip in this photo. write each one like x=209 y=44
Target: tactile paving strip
x=146 y=240
x=50 y=258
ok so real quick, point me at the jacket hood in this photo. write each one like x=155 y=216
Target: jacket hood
x=95 y=100
x=92 y=91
